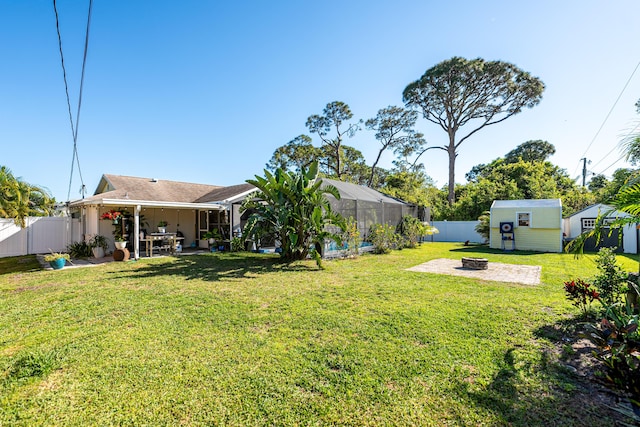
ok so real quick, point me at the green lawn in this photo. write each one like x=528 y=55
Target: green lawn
x=240 y=339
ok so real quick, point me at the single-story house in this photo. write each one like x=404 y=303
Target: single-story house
x=585 y=220
x=533 y=225
x=189 y=209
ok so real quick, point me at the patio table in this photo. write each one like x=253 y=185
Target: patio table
x=168 y=242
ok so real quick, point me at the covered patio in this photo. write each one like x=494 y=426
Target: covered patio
x=136 y=208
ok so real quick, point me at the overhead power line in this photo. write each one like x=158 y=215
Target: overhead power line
x=631 y=132
x=611 y=109
x=74 y=127
x=611 y=165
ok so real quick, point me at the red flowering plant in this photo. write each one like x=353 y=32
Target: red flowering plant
x=112 y=215
x=581 y=294
x=117 y=217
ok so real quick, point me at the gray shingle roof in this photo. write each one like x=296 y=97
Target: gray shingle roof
x=527 y=203
x=225 y=193
x=158 y=190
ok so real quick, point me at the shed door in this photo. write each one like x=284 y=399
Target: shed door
x=608 y=239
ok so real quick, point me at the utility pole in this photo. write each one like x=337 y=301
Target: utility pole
x=584 y=170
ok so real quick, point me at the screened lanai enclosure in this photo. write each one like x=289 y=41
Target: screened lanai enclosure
x=368 y=206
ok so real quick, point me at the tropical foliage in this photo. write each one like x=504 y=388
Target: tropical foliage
x=19 y=199
x=293 y=207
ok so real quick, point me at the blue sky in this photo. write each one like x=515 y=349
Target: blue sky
x=205 y=91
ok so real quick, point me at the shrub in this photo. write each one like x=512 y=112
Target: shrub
x=611 y=280
x=237 y=244
x=79 y=250
x=410 y=230
x=484 y=225
x=351 y=237
x=619 y=348
x=581 y=294
x=382 y=237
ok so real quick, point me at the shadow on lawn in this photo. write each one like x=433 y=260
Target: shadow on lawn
x=561 y=399
x=218 y=266
x=569 y=394
x=19 y=264
x=484 y=249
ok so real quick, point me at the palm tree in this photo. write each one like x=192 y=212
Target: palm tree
x=19 y=199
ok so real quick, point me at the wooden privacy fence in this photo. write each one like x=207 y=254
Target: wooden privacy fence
x=41 y=235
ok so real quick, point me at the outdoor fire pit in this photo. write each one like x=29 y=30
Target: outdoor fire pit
x=475 y=263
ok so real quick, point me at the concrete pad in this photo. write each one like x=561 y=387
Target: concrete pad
x=497 y=272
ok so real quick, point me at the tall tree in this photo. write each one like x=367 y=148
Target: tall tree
x=475 y=93
x=354 y=166
x=531 y=151
x=294 y=155
x=330 y=127
x=597 y=183
x=394 y=130
x=411 y=185
x=618 y=180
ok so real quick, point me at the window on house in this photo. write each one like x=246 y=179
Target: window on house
x=588 y=223
x=524 y=219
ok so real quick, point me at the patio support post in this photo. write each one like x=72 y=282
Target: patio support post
x=230 y=216
x=136 y=233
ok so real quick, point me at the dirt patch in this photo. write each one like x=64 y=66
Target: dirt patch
x=498 y=272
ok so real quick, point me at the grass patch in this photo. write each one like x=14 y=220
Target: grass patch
x=241 y=339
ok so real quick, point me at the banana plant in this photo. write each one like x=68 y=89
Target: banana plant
x=294 y=208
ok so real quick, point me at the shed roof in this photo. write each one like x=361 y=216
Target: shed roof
x=601 y=208
x=527 y=203
x=352 y=191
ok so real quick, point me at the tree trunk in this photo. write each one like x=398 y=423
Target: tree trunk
x=338 y=162
x=451 y=150
x=373 y=168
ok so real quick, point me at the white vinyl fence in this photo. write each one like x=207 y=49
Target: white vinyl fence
x=456 y=231
x=41 y=235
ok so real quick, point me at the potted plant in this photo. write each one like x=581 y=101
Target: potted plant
x=120 y=242
x=120 y=226
x=162 y=226
x=212 y=236
x=98 y=245
x=57 y=260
